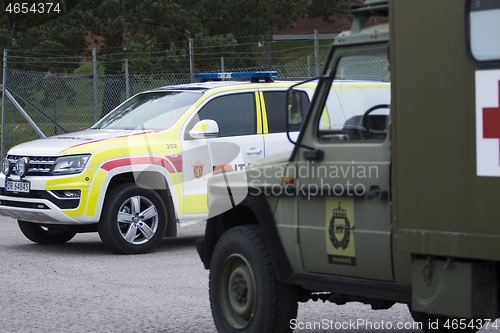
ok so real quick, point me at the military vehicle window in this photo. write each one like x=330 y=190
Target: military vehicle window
x=275 y=110
x=484 y=30
x=357 y=108
x=235 y=114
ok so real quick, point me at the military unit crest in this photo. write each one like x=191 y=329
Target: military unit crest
x=339 y=226
x=340 y=233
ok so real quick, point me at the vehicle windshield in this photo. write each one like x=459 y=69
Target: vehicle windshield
x=364 y=67
x=357 y=108
x=149 y=111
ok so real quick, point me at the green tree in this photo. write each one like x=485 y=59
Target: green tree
x=56 y=32
x=329 y=10
x=28 y=28
x=136 y=26
x=159 y=29
x=251 y=21
x=34 y=13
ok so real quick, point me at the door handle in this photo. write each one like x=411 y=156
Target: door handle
x=315 y=154
x=254 y=150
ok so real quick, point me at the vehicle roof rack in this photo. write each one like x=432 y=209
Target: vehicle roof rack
x=364 y=12
x=266 y=76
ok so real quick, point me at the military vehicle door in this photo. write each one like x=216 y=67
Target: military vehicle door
x=343 y=177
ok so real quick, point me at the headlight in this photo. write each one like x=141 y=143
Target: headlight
x=22 y=166
x=6 y=165
x=69 y=164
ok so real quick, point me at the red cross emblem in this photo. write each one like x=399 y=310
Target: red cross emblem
x=491 y=121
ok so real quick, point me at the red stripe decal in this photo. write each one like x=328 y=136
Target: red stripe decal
x=176 y=161
x=152 y=160
x=111 y=138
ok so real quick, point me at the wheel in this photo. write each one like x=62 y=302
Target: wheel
x=437 y=323
x=44 y=235
x=244 y=293
x=134 y=219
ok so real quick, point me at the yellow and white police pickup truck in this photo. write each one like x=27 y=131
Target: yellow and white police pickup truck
x=144 y=167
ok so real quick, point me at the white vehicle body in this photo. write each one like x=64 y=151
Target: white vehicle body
x=69 y=176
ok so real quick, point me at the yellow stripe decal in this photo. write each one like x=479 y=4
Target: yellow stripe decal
x=361 y=86
x=264 y=113
x=326 y=119
x=196 y=203
x=70 y=183
x=259 y=117
x=178 y=182
x=81 y=208
x=94 y=192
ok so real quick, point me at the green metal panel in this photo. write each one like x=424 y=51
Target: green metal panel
x=456 y=289
x=441 y=206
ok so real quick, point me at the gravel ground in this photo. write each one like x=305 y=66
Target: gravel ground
x=83 y=287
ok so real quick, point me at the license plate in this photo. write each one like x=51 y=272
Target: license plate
x=12 y=186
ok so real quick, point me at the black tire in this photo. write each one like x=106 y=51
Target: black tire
x=44 y=235
x=437 y=323
x=142 y=223
x=256 y=301
x=171 y=219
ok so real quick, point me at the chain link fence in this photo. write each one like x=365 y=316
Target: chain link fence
x=39 y=104
x=45 y=103
x=49 y=93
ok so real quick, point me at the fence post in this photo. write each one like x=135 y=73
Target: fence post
x=222 y=66
x=308 y=66
x=316 y=52
x=94 y=61
x=127 y=82
x=55 y=106
x=4 y=81
x=191 y=59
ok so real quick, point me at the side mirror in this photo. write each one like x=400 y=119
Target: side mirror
x=294 y=107
x=205 y=129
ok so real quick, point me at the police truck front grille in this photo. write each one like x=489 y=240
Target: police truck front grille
x=38 y=166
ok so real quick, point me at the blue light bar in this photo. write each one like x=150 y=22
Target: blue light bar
x=242 y=75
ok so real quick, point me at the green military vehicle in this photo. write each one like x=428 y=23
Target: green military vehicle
x=391 y=193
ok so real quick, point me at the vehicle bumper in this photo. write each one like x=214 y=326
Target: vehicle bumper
x=36 y=210
x=42 y=205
